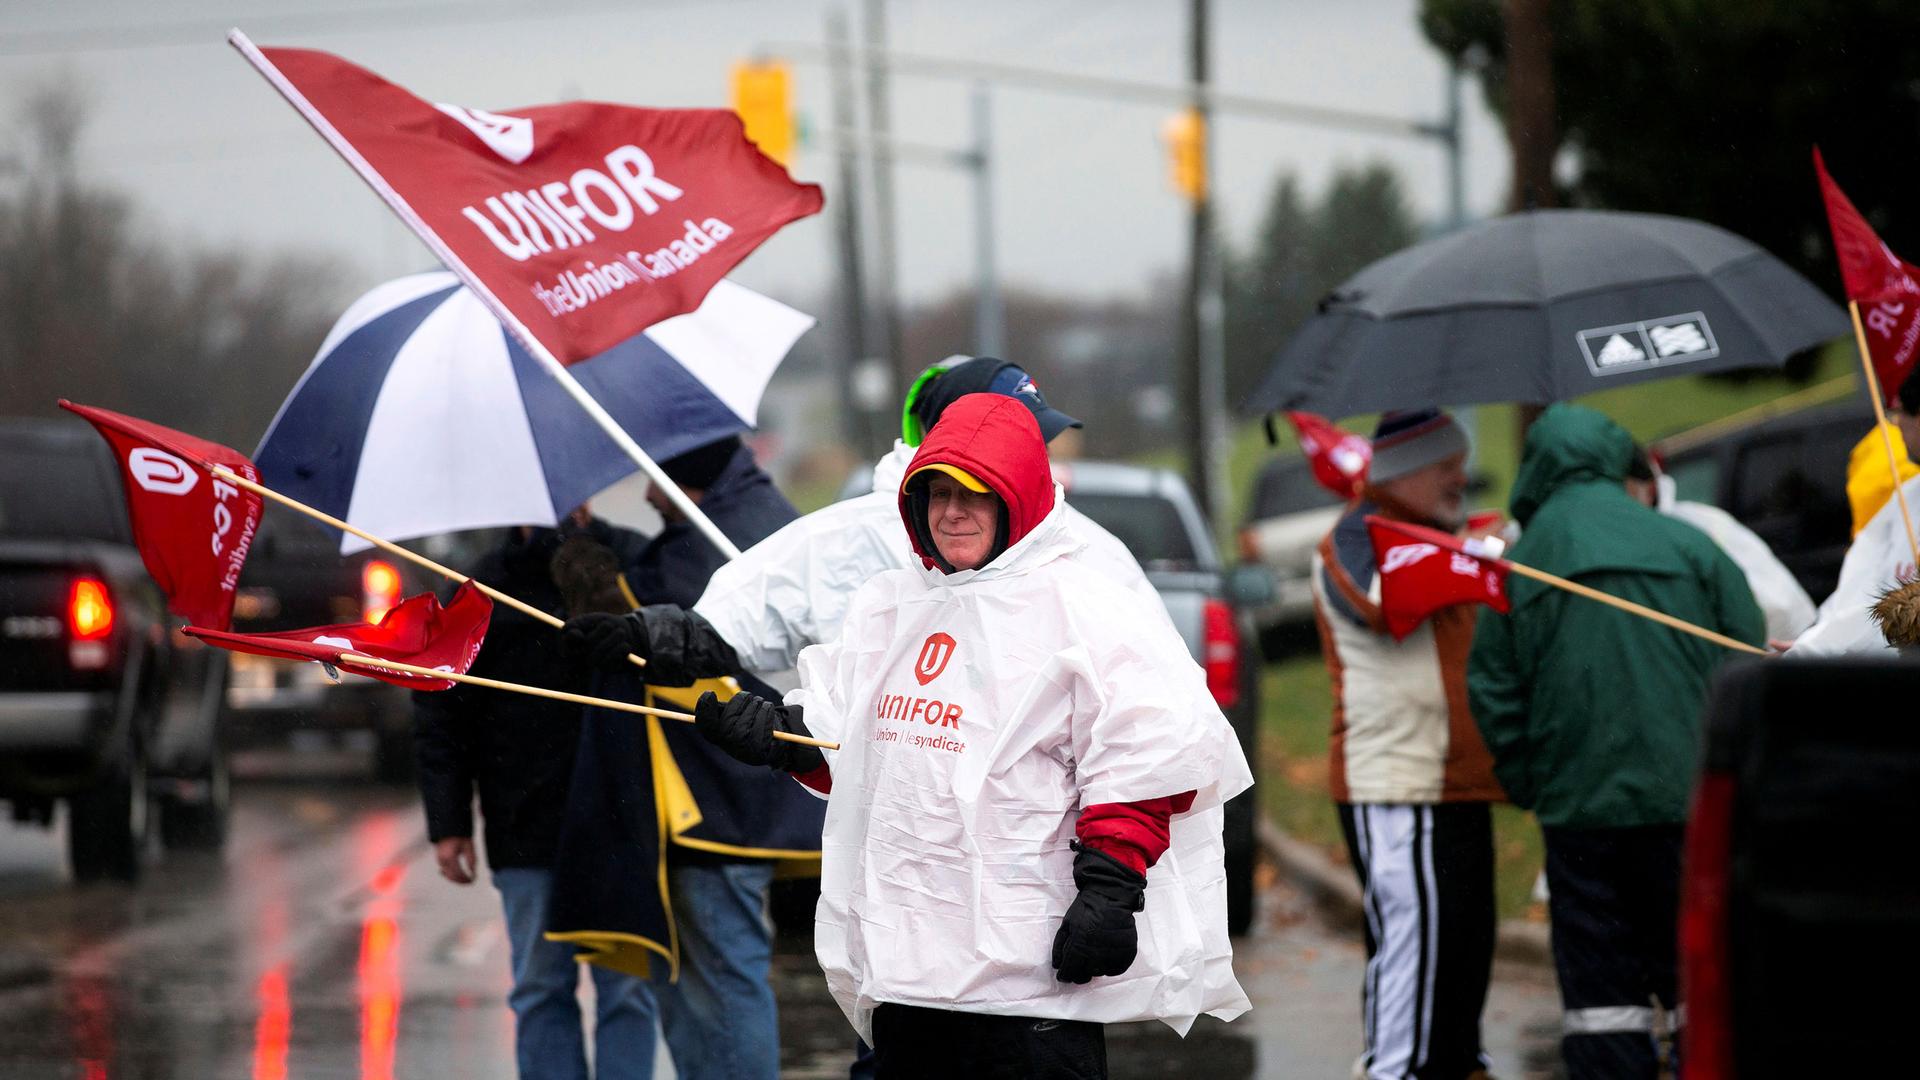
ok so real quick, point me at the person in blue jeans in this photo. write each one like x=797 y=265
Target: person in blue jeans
x=719 y=1018
x=547 y=1039
x=516 y=754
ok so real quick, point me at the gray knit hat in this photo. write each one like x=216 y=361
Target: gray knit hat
x=1409 y=441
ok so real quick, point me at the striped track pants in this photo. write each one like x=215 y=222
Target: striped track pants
x=1426 y=872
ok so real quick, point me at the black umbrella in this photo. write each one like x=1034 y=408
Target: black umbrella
x=1543 y=306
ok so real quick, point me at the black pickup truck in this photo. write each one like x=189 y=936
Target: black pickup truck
x=103 y=704
x=1800 y=915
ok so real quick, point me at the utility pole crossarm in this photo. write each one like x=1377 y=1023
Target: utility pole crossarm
x=1107 y=88
x=902 y=150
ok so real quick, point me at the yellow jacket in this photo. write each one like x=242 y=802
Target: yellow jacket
x=1868 y=485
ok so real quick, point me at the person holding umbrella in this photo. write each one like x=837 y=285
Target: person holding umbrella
x=1593 y=719
x=1409 y=773
x=1023 y=823
x=516 y=753
x=668 y=848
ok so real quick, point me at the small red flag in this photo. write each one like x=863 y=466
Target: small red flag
x=193 y=528
x=1886 y=288
x=1339 y=458
x=418 y=631
x=1423 y=570
x=588 y=222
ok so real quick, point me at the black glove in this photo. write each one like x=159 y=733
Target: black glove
x=684 y=647
x=1097 y=937
x=743 y=727
x=604 y=640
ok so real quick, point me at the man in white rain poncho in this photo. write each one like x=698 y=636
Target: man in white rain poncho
x=791 y=589
x=1023 y=835
x=1880 y=560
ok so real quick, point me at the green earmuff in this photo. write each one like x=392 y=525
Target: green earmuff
x=910 y=430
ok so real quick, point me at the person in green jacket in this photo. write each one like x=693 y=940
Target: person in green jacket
x=1593 y=715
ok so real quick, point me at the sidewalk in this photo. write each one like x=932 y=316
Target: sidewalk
x=1336 y=893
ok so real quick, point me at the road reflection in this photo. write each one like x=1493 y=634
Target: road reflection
x=273 y=1031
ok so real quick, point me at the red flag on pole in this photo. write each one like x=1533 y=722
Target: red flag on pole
x=1339 y=458
x=419 y=632
x=1886 y=288
x=590 y=222
x=193 y=528
x=1423 y=570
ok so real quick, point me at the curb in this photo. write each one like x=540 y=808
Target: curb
x=1334 y=891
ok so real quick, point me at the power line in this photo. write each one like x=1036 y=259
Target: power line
x=163 y=35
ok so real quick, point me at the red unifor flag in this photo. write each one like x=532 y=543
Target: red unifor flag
x=1886 y=288
x=1423 y=570
x=193 y=528
x=588 y=221
x=418 y=632
x=1339 y=458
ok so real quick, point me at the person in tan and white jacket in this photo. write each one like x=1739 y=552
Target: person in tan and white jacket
x=1411 y=777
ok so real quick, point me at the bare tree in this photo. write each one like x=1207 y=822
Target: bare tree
x=92 y=308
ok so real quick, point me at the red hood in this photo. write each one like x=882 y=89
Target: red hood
x=997 y=440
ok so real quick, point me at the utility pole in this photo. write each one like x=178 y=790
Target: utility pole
x=857 y=426
x=885 y=261
x=1200 y=312
x=1531 y=128
x=989 y=318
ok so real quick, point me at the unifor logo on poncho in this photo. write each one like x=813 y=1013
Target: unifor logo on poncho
x=934 y=654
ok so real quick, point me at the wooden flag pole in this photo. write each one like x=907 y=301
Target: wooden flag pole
x=559 y=695
x=392 y=548
x=1880 y=423
x=1629 y=606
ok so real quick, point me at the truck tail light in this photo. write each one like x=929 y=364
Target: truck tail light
x=89 y=621
x=1220 y=645
x=379 y=589
x=89 y=610
x=1706 y=883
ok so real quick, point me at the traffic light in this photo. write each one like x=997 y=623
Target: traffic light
x=762 y=96
x=1186 y=137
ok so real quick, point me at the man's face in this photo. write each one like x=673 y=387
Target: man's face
x=659 y=500
x=1436 y=494
x=962 y=522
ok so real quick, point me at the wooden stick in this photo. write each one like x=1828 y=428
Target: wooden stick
x=1641 y=610
x=1813 y=395
x=392 y=548
x=559 y=695
x=1880 y=423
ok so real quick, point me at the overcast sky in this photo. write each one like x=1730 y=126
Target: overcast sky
x=215 y=157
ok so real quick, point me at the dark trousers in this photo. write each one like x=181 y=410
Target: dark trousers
x=912 y=1043
x=1615 y=905
x=1426 y=875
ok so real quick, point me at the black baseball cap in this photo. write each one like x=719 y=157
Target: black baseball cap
x=937 y=389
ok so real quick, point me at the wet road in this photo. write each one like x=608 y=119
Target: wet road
x=322 y=944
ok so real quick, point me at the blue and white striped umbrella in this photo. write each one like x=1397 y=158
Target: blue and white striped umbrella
x=422 y=415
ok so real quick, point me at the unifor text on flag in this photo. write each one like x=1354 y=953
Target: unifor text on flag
x=1423 y=570
x=193 y=527
x=589 y=221
x=418 y=632
x=1886 y=287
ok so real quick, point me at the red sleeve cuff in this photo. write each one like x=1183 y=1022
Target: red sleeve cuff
x=1136 y=833
x=819 y=778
